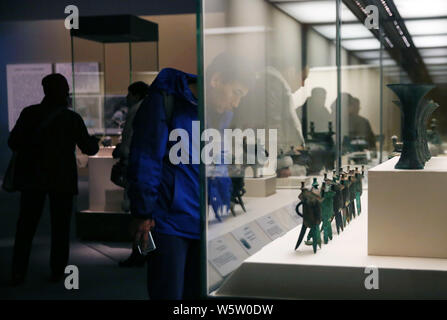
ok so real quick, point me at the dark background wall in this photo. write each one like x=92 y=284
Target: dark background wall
x=54 y=9
x=21 y=34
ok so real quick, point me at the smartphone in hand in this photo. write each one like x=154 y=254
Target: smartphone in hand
x=150 y=246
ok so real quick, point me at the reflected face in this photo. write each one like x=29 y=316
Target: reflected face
x=353 y=109
x=318 y=97
x=225 y=96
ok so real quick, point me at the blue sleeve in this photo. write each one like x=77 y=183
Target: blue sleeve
x=148 y=147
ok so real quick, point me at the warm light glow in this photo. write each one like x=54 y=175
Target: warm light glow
x=426 y=27
x=315 y=11
x=348 y=31
x=430 y=41
x=421 y=8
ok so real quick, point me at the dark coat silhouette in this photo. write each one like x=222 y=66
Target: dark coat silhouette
x=46 y=158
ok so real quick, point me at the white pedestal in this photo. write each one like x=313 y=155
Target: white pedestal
x=103 y=194
x=260 y=187
x=293 y=182
x=407 y=210
x=336 y=271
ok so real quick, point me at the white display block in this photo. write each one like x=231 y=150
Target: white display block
x=408 y=210
x=104 y=195
x=339 y=270
x=260 y=187
x=291 y=182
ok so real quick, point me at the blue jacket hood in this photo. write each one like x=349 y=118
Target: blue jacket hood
x=175 y=82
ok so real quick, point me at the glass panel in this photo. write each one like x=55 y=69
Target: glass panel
x=88 y=91
x=417 y=32
x=361 y=81
x=142 y=68
x=105 y=65
x=271 y=79
x=315 y=77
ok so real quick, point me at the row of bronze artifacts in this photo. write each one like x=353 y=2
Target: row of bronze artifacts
x=337 y=199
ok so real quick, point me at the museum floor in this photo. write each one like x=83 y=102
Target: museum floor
x=99 y=274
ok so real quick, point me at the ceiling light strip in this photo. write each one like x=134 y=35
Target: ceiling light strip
x=398 y=28
x=361 y=7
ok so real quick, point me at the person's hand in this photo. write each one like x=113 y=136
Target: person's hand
x=139 y=229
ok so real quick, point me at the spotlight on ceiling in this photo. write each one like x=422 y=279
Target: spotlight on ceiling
x=387 y=9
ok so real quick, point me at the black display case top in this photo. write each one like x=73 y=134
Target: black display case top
x=116 y=28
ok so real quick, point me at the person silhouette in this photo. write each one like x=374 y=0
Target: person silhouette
x=317 y=111
x=359 y=126
x=137 y=91
x=165 y=196
x=44 y=138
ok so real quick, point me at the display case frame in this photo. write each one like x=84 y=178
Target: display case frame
x=108 y=35
x=240 y=283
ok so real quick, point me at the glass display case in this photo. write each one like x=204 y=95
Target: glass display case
x=301 y=86
x=108 y=54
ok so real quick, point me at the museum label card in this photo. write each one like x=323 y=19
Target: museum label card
x=222 y=257
x=271 y=227
x=249 y=238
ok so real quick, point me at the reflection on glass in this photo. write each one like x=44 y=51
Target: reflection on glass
x=105 y=62
x=269 y=81
x=287 y=52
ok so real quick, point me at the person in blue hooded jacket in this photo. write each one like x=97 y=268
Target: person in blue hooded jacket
x=165 y=197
